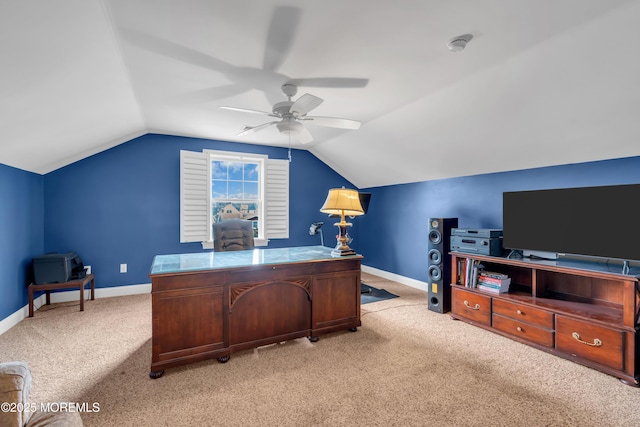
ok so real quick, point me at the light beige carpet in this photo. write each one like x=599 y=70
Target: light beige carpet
x=406 y=366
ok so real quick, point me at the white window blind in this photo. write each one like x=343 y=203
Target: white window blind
x=277 y=199
x=195 y=193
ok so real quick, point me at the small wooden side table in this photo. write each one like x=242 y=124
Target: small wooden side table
x=80 y=283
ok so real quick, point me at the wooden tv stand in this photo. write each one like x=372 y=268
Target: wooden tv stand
x=210 y=305
x=582 y=311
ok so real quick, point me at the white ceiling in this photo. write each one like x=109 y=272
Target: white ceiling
x=541 y=82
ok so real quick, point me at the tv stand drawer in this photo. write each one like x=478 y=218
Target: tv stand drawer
x=523 y=330
x=589 y=341
x=472 y=306
x=523 y=313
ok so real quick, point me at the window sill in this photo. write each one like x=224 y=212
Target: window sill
x=261 y=242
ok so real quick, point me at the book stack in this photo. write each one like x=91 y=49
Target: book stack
x=493 y=282
x=468 y=271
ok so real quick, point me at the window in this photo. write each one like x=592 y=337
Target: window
x=235 y=191
x=216 y=185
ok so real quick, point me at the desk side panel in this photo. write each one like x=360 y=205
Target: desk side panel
x=336 y=299
x=179 y=329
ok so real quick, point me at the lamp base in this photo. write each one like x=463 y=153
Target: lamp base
x=338 y=252
x=342 y=249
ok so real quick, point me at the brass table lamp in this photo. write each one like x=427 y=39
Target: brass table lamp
x=343 y=202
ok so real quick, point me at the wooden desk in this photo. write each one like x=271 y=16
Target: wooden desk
x=80 y=284
x=209 y=305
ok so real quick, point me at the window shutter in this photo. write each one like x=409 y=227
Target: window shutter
x=277 y=199
x=195 y=189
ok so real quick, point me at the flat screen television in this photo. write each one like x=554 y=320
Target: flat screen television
x=365 y=198
x=602 y=222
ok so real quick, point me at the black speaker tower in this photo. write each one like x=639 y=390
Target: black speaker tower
x=439 y=285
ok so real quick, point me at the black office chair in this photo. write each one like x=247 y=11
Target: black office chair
x=232 y=234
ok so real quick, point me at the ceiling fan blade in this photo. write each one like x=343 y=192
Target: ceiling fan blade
x=282 y=30
x=337 y=82
x=211 y=93
x=173 y=50
x=253 y=129
x=246 y=110
x=333 y=122
x=304 y=104
x=240 y=76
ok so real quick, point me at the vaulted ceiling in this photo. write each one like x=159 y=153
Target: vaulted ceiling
x=540 y=83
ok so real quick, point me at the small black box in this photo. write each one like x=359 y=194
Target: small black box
x=488 y=233
x=476 y=245
x=57 y=268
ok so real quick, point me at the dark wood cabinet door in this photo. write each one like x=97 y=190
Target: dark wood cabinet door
x=589 y=341
x=336 y=300
x=187 y=322
x=471 y=306
x=269 y=311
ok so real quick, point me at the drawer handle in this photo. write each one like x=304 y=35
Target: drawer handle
x=519 y=329
x=596 y=342
x=476 y=307
x=519 y=311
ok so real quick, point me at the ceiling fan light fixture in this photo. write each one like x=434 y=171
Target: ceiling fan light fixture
x=457 y=44
x=288 y=125
x=284 y=126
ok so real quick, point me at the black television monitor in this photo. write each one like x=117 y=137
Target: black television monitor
x=601 y=222
x=365 y=198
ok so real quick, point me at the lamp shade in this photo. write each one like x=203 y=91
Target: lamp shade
x=342 y=201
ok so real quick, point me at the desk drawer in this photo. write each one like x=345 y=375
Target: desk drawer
x=523 y=330
x=209 y=279
x=269 y=273
x=471 y=305
x=523 y=313
x=589 y=341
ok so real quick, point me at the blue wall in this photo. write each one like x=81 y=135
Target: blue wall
x=21 y=234
x=122 y=205
x=394 y=231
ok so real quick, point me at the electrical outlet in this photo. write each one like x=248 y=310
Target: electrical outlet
x=123 y=268
x=87 y=269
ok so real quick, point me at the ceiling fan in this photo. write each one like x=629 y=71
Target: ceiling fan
x=292 y=113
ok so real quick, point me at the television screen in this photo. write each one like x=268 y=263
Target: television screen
x=365 y=198
x=594 y=221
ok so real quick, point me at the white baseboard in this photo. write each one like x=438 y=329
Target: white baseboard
x=117 y=291
x=423 y=286
x=13 y=319
x=66 y=296
x=120 y=291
